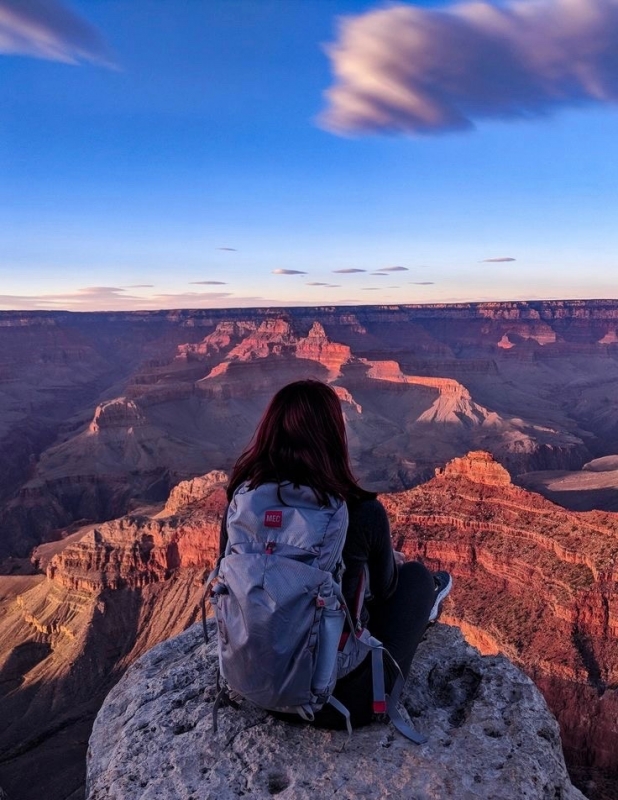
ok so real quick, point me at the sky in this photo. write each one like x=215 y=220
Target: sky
x=239 y=153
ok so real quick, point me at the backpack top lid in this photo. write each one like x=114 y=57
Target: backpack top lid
x=289 y=515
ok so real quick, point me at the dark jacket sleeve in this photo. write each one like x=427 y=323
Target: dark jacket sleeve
x=369 y=542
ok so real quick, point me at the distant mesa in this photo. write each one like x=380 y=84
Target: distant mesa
x=117 y=413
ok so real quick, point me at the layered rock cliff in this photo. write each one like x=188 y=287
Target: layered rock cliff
x=490 y=735
x=535 y=582
x=110 y=592
x=532 y=581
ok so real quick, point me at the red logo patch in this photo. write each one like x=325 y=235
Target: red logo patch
x=273 y=519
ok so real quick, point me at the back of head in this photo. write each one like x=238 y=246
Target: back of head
x=302 y=439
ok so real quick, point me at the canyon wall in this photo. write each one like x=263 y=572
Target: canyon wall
x=534 y=582
x=101 y=412
x=109 y=592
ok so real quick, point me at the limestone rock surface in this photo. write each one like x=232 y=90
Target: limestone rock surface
x=490 y=736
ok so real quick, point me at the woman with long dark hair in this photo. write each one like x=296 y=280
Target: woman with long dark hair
x=301 y=439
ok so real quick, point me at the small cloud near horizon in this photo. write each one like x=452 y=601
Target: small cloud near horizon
x=394 y=269
x=50 y=30
x=228 y=249
x=371 y=288
x=140 y=286
x=384 y=274
x=319 y=283
x=423 y=283
x=500 y=260
x=208 y=283
x=288 y=272
x=394 y=70
x=348 y=271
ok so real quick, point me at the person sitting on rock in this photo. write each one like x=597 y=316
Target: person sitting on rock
x=302 y=439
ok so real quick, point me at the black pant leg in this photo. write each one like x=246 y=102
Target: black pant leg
x=399 y=623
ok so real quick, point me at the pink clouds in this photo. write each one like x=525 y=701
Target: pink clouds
x=48 y=29
x=410 y=69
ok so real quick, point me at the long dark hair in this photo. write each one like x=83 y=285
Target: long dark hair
x=302 y=439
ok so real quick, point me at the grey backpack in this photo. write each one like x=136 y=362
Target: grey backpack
x=278 y=606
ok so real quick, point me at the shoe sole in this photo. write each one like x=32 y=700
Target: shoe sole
x=444 y=591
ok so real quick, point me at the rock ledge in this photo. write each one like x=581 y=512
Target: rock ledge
x=490 y=734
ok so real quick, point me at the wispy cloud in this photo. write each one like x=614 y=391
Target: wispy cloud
x=394 y=269
x=348 y=271
x=229 y=249
x=319 y=283
x=497 y=260
x=112 y=298
x=409 y=69
x=80 y=300
x=48 y=29
x=288 y=272
x=208 y=283
x=371 y=288
x=423 y=283
x=140 y=286
x=384 y=274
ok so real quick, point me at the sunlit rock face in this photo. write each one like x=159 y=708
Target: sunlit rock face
x=110 y=591
x=535 y=582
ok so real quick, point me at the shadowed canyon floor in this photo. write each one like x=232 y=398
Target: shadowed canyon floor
x=102 y=414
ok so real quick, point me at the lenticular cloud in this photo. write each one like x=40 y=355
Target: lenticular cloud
x=409 y=69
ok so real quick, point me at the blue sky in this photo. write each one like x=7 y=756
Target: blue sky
x=158 y=154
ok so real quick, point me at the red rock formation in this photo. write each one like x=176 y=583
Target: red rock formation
x=477 y=467
x=533 y=581
x=225 y=335
x=317 y=347
x=197 y=489
x=111 y=592
x=117 y=413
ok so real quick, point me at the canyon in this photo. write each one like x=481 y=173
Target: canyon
x=117 y=430
x=89 y=399
x=533 y=581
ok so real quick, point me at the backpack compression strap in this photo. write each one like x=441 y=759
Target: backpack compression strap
x=205 y=596
x=391 y=700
